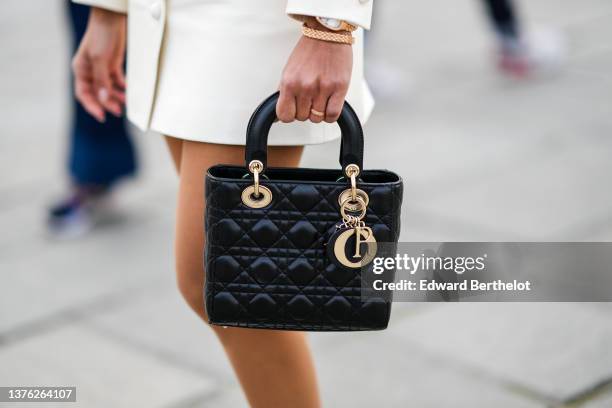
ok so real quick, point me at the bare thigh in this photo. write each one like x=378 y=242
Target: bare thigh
x=175 y=146
x=274 y=368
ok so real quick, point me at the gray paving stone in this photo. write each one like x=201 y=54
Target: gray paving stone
x=227 y=397
x=603 y=400
x=382 y=369
x=162 y=323
x=568 y=13
x=66 y=275
x=400 y=311
x=507 y=200
x=556 y=350
x=605 y=308
x=106 y=373
x=361 y=370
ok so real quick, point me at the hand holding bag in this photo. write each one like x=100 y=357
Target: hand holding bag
x=286 y=247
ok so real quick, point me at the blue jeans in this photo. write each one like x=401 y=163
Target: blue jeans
x=100 y=153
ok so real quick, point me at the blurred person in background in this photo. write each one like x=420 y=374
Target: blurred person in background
x=521 y=54
x=517 y=55
x=196 y=72
x=513 y=54
x=101 y=153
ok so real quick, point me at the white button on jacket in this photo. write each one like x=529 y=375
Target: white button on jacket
x=197 y=69
x=156 y=10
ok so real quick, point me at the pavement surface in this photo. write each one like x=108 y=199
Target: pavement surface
x=482 y=157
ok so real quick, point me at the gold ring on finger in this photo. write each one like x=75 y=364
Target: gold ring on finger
x=317 y=113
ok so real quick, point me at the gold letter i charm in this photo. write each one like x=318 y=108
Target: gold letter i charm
x=357 y=241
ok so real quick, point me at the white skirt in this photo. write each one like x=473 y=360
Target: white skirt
x=220 y=59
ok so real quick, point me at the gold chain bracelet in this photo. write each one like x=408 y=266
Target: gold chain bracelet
x=327 y=36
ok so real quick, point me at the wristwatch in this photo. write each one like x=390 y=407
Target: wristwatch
x=335 y=24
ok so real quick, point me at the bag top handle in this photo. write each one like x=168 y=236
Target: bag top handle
x=351 y=150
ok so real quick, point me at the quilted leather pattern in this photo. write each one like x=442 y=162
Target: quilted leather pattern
x=268 y=268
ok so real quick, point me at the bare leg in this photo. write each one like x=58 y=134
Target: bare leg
x=274 y=368
x=176 y=150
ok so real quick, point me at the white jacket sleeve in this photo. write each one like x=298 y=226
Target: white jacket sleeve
x=120 y=6
x=358 y=12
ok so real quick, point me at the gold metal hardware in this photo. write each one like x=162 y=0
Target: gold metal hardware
x=353 y=205
x=355 y=201
x=256 y=196
x=344 y=208
x=353 y=187
x=256 y=165
x=358 y=230
x=351 y=169
x=250 y=200
x=256 y=184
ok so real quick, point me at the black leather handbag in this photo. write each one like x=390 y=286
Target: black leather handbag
x=286 y=247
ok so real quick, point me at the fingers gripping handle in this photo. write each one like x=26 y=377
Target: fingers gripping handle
x=351 y=150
